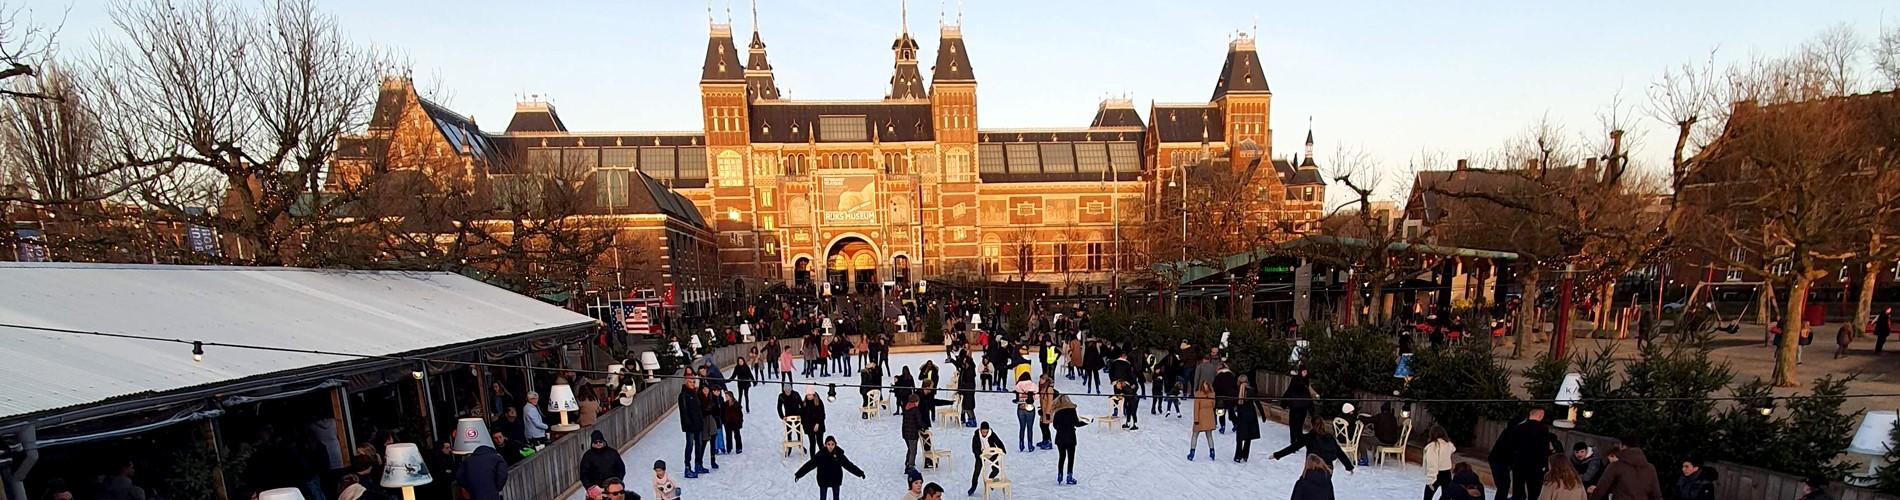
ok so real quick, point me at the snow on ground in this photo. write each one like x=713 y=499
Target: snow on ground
x=1110 y=462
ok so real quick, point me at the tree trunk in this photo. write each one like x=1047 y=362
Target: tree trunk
x=1605 y=315
x=1526 y=310
x=1791 y=325
x=1375 y=305
x=1864 y=308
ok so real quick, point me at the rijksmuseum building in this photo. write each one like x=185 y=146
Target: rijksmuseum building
x=908 y=186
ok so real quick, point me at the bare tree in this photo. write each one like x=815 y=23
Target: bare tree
x=204 y=97
x=1366 y=244
x=24 y=48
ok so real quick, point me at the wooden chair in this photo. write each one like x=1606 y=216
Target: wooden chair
x=934 y=457
x=999 y=480
x=1348 y=435
x=1114 y=411
x=1397 y=451
x=951 y=416
x=873 y=405
x=794 y=436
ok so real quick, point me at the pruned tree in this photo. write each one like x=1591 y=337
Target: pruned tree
x=25 y=49
x=1363 y=241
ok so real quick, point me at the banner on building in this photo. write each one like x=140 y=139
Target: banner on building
x=202 y=239
x=31 y=246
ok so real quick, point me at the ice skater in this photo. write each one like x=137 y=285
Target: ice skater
x=1246 y=415
x=1318 y=441
x=1025 y=413
x=981 y=440
x=693 y=424
x=1066 y=422
x=663 y=486
x=1316 y=482
x=1131 y=404
x=812 y=415
x=831 y=465
x=1203 y=421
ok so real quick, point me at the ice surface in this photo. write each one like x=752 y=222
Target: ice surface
x=1110 y=462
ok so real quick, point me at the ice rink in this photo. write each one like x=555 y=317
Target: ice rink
x=1110 y=462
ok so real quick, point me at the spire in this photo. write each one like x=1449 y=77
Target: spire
x=1308 y=162
x=758 y=71
x=722 y=57
x=1241 y=73
x=906 y=81
x=953 y=62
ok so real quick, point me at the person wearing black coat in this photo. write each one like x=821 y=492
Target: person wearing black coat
x=1316 y=483
x=1298 y=400
x=1226 y=388
x=1119 y=368
x=902 y=387
x=1532 y=443
x=966 y=387
x=1697 y=481
x=734 y=421
x=927 y=399
x=1092 y=367
x=693 y=423
x=1065 y=422
x=715 y=411
x=1317 y=441
x=1246 y=416
x=743 y=374
x=981 y=439
x=600 y=462
x=916 y=419
x=789 y=404
x=483 y=474
x=813 y=416
x=1161 y=374
x=871 y=381
x=831 y=465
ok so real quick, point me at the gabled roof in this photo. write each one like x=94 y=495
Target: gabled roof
x=1241 y=73
x=1187 y=123
x=953 y=59
x=1296 y=176
x=722 y=58
x=366 y=312
x=536 y=116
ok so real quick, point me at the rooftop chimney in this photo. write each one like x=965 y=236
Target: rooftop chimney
x=1464 y=164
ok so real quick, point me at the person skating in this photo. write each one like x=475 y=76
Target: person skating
x=927 y=399
x=966 y=388
x=1226 y=387
x=1465 y=484
x=903 y=386
x=1049 y=356
x=715 y=411
x=933 y=492
x=784 y=363
x=1246 y=416
x=600 y=462
x=1437 y=460
x=871 y=381
x=693 y=423
x=1560 y=479
x=1046 y=399
x=1318 y=440
x=1316 y=481
x=789 y=403
x=1131 y=404
x=1162 y=374
x=916 y=481
x=734 y=422
x=980 y=440
x=1065 y=423
x=915 y=421
x=1628 y=477
x=1697 y=481
x=831 y=464
x=743 y=374
x=663 y=486
x=1298 y=400
x=812 y=415
x=927 y=375
x=1092 y=365
x=1025 y=413
x=1203 y=421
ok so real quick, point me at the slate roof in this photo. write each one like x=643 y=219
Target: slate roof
x=1305 y=174
x=793 y=121
x=536 y=117
x=953 y=59
x=722 y=58
x=1188 y=123
x=1241 y=73
x=1116 y=114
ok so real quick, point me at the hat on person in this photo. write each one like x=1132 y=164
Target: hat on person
x=599 y=438
x=913 y=476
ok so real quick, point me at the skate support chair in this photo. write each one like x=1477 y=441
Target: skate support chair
x=934 y=457
x=794 y=435
x=874 y=405
x=1114 y=411
x=1348 y=435
x=1396 y=451
x=998 y=479
x=954 y=412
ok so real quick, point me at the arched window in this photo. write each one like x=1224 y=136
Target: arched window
x=731 y=169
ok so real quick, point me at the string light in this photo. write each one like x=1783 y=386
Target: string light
x=197 y=351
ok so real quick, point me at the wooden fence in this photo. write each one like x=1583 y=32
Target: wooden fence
x=554 y=471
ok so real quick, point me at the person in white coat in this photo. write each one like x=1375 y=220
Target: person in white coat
x=1437 y=460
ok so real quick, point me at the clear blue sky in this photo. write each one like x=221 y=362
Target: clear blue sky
x=1389 y=77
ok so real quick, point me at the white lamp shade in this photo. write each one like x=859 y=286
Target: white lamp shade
x=614 y=379
x=402 y=466
x=1875 y=436
x=470 y=433
x=901 y=320
x=649 y=360
x=1346 y=408
x=1298 y=347
x=561 y=398
x=696 y=344
x=281 y=494
x=626 y=395
x=976 y=319
x=1572 y=390
x=1223 y=339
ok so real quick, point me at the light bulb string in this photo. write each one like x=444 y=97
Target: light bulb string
x=1190 y=397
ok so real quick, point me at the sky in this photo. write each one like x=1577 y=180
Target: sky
x=1390 y=79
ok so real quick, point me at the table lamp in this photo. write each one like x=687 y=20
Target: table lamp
x=626 y=395
x=403 y=468
x=1874 y=439
x=470 y=433
x=1569 y=395
x=561 y=399
x=651 y=363
x=745 y=332
x=613 y=374
x=281 y=494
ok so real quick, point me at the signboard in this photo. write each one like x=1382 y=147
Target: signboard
x=849 y=199
x=31 y=246
x=200 y=238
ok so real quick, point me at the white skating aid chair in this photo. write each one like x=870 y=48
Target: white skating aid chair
x=998 y=479
x=794 y=435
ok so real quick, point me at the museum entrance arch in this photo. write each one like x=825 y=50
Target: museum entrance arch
x=851 y=266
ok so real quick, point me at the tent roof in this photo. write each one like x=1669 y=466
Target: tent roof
x=363 y=312
x=1197 y=272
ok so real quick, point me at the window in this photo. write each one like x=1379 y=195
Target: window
x=1025 y=258
x=1124 y=156
x=610 y=187
x=842 y=128
x=767 y=222
x=619 y=157
x=731 y=169
x=894 y=163
x=657 y=162
x=992 y=256
x=765 y=197
x=989 y=157
x=1307 y=194
x=1058 y=158
x=1097 y=256
x=543 y=159
x=956 y=162
x=1091 y=157
x=692 y=163
x=580 y=159
x=1062 y=257
x=1022 y=159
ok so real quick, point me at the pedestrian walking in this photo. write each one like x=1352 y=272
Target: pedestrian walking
x=1883 y=327
x=1437 y=460
x=831 y=464
x=1316 y=481
x=1203 y=421
x=981 y=440
x=1066 y=422
x=600 y=462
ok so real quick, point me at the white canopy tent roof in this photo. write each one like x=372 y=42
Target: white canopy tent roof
x=363 y=312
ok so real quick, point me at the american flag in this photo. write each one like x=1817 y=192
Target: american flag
x=633 y=318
